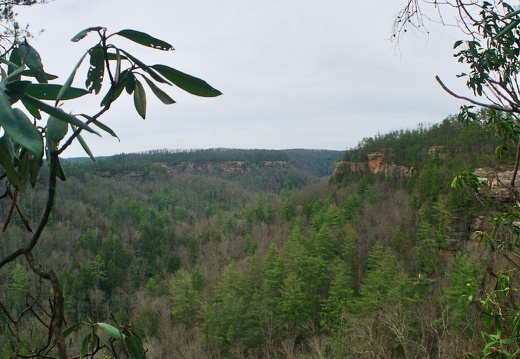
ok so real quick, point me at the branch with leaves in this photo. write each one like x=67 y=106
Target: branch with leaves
x=491 y=52
x=30 y=143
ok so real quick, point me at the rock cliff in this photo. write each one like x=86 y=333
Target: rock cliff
x=375 y=165
x=498 y=183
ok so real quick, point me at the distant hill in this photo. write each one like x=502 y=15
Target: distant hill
x=271 y=170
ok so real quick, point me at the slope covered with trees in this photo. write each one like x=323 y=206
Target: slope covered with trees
x=244 y=258
x=206 y=266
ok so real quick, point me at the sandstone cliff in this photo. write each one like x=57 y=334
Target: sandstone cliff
x=375 y=165
x=498 y=183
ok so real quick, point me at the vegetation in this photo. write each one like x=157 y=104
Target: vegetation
x=207 y=266
x=29 y=144
x=248 y=254
x=491 y=54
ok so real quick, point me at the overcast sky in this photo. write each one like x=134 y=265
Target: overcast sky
x=294 y=74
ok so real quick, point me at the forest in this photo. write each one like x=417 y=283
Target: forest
x=210 y=264
x=405 y=246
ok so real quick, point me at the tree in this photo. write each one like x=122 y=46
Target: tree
x=185 y=307
x=491 y=52
x=31 y=143
x=19 y=285
x=384 y=281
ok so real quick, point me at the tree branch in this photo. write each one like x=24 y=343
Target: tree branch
x=470 y=100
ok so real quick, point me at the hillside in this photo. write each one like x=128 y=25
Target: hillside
x=271 y=170
x=234 y=254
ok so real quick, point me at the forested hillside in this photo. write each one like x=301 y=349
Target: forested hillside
x=259 y=260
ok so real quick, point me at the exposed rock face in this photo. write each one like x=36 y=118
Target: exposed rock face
x=209 y=167
x=375 y=165
x=437 y=152
x=498 y=182
x=375 y=162
x=275 y=164
x=230 y=166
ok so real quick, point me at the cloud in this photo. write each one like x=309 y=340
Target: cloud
x=293 y=74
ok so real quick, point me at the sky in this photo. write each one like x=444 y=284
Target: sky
x=294 y=74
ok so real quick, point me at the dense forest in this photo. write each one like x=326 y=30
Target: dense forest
x=258 y=260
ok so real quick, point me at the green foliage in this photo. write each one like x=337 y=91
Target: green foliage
x=289 y=210
x=108 y=338
x=316 y=276
x=19 y=285
x=184 y=302
x=463 y=279
x=229 y=319
x=28 y=143
x=249 y=246
x=341 y=295
x=384 y=282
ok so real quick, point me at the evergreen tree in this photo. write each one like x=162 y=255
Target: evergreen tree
x=19 y=286
x=185 y=307
x=384 y=282
x=340 y=297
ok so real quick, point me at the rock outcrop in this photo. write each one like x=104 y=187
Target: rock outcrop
x=375 y=165
x=498 y=183
x=207 y=167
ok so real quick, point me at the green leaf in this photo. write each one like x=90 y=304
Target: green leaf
x=118 y=67
x=57 y=112
x=31 y=138
x=6 y=161
x=7 y=144
x=84 y=346
x=130 y=82
x=15 y=61
x=188 y=83
x=112 y=94
x=30 y=73
x=140 y=99
x=14 y=76
x=32 y=59
x=71 y=329
x=34 y=170
x=100 y=125
x=18 y=127
x=113 y=57
x=161 y=95
x=80 y=35
x=16 y=89
x=457 y=44
x=145 y=39
x=60 y=173
x=56 y=129
x=84 y=145
x=135 y=345
x=110 y=330
x=146 y=68
x=70 y=79
x=24 y=165
x=108 y=345
x=96 y=70
x=53 y=91
x=32 y=110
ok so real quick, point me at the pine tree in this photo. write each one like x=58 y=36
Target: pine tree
x=184 y=301
x=341 y=295
x=19 y=285
x=384 y=281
